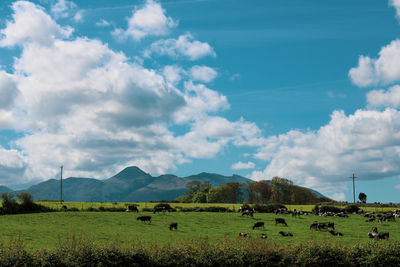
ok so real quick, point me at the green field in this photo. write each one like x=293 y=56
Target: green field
x=141 y=205
x=48 y=230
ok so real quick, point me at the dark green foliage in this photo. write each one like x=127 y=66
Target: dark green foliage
x=11 y=206
x=351 y=208
x=205 y=209
x=202 y=252
x=268 y=208
x=330 y=209
x=362 y=197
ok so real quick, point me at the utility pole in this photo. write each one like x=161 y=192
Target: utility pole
x=61 y=200
x=354 y=188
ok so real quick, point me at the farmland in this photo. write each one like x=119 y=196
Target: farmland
x=49 y=230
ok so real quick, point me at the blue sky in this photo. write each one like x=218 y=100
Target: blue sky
x=305 y=90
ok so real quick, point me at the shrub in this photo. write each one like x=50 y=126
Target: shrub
x=268 y=208
x=351 y=208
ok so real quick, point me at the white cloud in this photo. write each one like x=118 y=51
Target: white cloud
x=203 y=73
x=150 y=19
x=83 y=105
x=31 y=23
x=396 y=5
x=243 y=166
x=380 y=98
x=103 y=23
x=184 y=46
x=366 y=143
x=79 y=16
x=62 y=8
x=8 y=90
x=383 y=70
x=338 y=196
x=172 y=73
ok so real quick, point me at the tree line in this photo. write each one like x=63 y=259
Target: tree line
x=277 y=190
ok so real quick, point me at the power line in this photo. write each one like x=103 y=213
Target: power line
x=61 y=185
x=354 y=187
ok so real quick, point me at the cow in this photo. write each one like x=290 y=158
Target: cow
x=173 y=225
x=263 y=236
x=159 y=209
x=335 y=233
x=280 y=220
x=244 y=234
x=132 y=208
x=144 y=219
x=248 y=213
x=258 y=225
x=375 y=229
x=285 y=233
x=381 y=235
x=326 y=225
x=370 y=219
x=314 y=225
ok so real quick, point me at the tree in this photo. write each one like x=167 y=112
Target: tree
x=281 y=190
x=362 y=197
x=10 y=206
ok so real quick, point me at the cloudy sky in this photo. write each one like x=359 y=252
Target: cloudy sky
x=308 y=90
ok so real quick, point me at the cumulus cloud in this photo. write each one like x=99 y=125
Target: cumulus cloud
x=147 y=20
x=203 y=73
x=366 y=143
x=185 y=46
x=8 y=90
x=31 y=24
x=381 y=98
x=63 y=8
x=383 y=70
x=396 y=5
x=81 y=104
x=243 y=166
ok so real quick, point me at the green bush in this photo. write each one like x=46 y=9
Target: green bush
x=203 y=252
x=268 y=208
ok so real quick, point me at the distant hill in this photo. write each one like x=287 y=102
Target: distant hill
x=131 y=184
x=5 y=189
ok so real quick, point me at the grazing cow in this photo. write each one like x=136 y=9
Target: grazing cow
x=248 y=213
x=173 y=225
x=132 y=208
x=263 y=236
x=314 y=225
x=335 y=233
x=258 y=225
x=375 y=229
x=285 y=233
x=280 y=220
x=159 y=209
x=381 y=235
x=144 y=218
x=370 y=219
x=326 y=225
x=244 y=235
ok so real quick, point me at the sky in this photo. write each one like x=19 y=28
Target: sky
x=308 y=90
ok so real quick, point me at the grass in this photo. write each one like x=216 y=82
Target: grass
x=49 y=230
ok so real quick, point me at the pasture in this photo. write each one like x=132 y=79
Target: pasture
x=49 y=230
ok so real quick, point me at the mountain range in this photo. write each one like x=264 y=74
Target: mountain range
x=130 y=185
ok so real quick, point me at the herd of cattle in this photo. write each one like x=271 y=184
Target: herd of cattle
x=319 y=226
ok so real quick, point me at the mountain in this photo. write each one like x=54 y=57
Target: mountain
x=129 y=185
x=5 y=189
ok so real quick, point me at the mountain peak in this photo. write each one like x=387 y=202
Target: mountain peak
x=131 y=172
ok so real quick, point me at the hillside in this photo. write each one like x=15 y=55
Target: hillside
x=130 y=185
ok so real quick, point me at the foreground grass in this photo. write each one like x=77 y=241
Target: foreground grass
x=202 y=252
x=49 y=230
